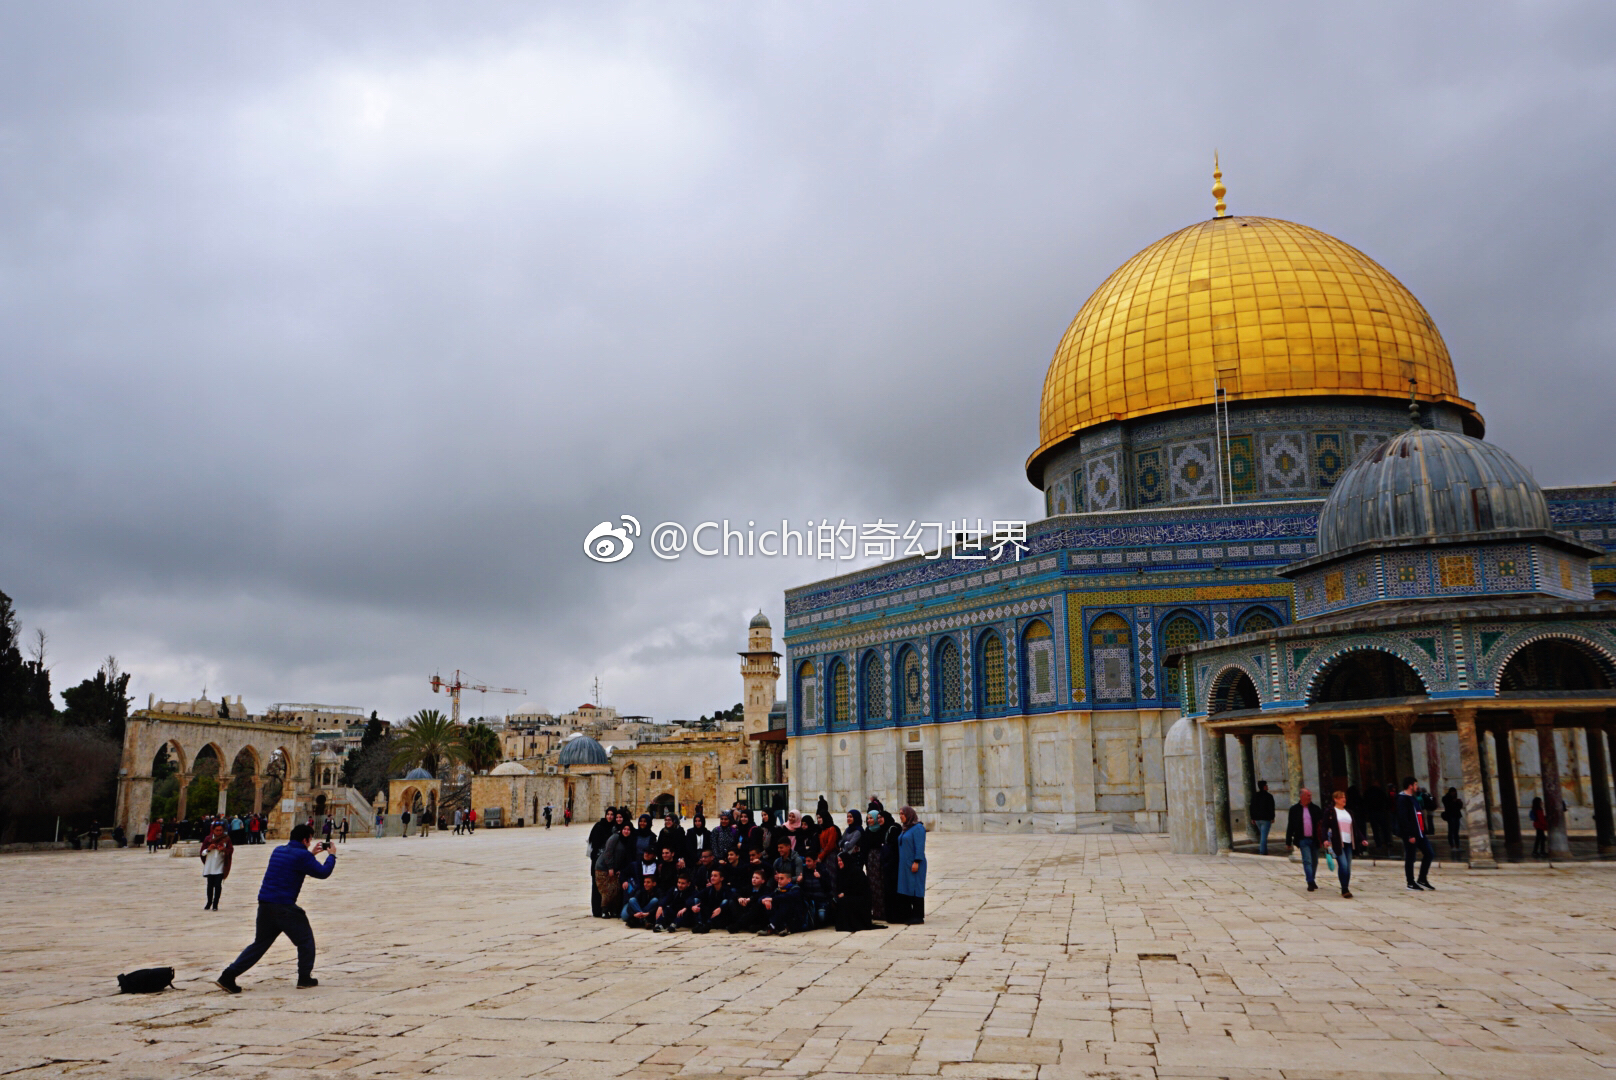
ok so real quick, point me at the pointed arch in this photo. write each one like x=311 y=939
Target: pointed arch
x=1554 y=662
x=839 y=694
x=1178 y=629
x=1111 y=652
x=1233 y=690
x=806 y=691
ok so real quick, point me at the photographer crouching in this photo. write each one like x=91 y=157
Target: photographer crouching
x=278 y=912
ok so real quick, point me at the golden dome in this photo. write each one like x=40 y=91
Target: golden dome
x=1267 y=308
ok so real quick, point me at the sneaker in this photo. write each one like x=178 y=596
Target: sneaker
x=657 y=928
x=1426 y=885
x=1411 y=887
x=304 y=984
x=227 y=984
x=782 y=933
x=765 y=932
x=1346 y=894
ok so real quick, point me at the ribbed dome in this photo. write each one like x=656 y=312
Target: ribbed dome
x=1269 y=308
x=419 y=774
x=510 y=768
x=760 y=619
x=1426 y=484
x=582 y=750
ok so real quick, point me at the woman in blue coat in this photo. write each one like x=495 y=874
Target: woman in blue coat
x=912 y=867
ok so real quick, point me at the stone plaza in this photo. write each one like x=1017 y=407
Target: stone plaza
x=1043 y=957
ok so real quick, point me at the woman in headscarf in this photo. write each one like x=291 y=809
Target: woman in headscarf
x=761 y=837
x=644 y=838
x=793 y=830
x=851 y=845
x=897 y=907
x=912 y=866
x=874 y=847
x=852 y=895
x=829 y=837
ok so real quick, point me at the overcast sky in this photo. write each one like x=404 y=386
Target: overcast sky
x=328 y=331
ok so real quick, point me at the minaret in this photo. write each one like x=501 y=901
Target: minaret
x=760 y=673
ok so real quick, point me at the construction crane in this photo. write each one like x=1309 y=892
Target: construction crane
x=458 y=683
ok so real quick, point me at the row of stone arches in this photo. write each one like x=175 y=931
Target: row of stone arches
x=1376 y=672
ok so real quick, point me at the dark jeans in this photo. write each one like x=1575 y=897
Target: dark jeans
x=1310 y=857
x=273 y=921
x=1453 y=834
x=1262 y=835
x=215 y=889
x=1422 y=846
x=1343 y=868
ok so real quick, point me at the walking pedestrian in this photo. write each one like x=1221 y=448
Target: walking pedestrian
x=381 y=823
x=1411 y=826
x=459 y=820
x=278 y=912
x=912 y=866
x=154 y=835
x=217 y=851
x=1304 y=831
x=404 y=819
x=343 y=837
x=1540 y=825
x=1262 y=814
x=548 y=811
x=1453 y=813
x=1341 y=837
x=95 y=836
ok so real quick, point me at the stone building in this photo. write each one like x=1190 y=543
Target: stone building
x=1203 y=403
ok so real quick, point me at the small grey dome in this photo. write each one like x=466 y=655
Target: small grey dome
x=582 y=750
x=419 y=774
x=760 y=619
x=1424 y=484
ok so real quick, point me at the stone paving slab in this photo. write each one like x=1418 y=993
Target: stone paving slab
x=1042 y=958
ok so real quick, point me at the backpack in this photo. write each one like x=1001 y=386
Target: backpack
x=146 y=981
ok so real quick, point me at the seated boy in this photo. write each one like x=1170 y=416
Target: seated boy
x=785 y=907
x=737 y=875
x=817 y=890
x=640 y=908
x=676 y=908
x=753 y=909
x=787 y=859
x=715 y=903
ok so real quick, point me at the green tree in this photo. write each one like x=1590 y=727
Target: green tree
x=479 y=747
x=429 y=739
x=101 y=703
x=375 y=731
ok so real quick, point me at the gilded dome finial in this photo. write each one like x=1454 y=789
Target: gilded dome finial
x=1218 y=190
x=1413 y=403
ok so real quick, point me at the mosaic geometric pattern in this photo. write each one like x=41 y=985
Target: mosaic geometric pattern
x=841 y=711
x=1111 y=643
x=1104 y=484
x=948 y=673
x=1040 y=650
x=1150 y=485
x=1329 y=458
x=1408 y=573
x=1147 y=657
x=807 y=696
x=1242 y=465
x=913 y=688
x=1283 y=464
x=1176 y=633
x=1060 y=497
x=993 y=673
x=1220 y=624
x=1364 y=442
x=1194 y=471
x=1079 y=494
x=874 y=697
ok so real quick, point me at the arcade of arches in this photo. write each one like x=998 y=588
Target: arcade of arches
x=267 y=770
x=1368 y=720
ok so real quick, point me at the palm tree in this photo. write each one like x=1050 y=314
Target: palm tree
x=429 y=738
x=479 y=747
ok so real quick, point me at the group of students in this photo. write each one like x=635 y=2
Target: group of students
x=762 y=876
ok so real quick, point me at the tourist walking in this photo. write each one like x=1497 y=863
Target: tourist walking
x=1411 y=827
x=1453 y=813
x=1304 y=831
x=1540 y=826
x=154 y=835
x=1341 y=838
x=1262 y=814
x=548 y=811
x=278 y=912
x=459 y=820
x=95 y=836
x=217 y=851
x=912 y=866
x=404 y=819
x=471 y=821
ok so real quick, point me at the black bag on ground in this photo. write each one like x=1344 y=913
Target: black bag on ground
x=146 y=980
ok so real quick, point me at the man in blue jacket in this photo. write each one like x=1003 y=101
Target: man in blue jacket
x=278 y=912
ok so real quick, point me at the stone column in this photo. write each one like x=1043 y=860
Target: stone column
x=258 y=795
x=1326 y=762
x=1402 y=749
x=1553 y=798
x=1218 y=752
x=1476 y=818
x=1599 y=770
x=1248 y=773
x=1292 y=730
x=185 y=785
x=1509 y=807
x=1350 y=742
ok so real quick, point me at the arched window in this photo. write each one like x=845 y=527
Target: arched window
x=1254 y=620
x=1038 y=663
x=840 y=695
x=1232 y=691
x=1367 y=675
x=1176 y=632
x=1111 y=645
x=912 y=703
x=873 y=694
x=1553 y=664
x=950 y=696
x=807 y=686
x=993 y=677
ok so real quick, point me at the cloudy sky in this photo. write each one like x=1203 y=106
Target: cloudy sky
x=327 y=332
